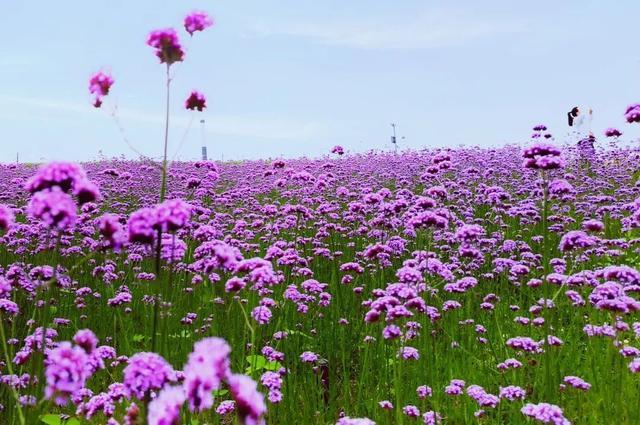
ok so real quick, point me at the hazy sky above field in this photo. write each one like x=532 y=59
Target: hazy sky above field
x=295 y=77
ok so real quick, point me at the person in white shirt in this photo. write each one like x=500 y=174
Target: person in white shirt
x=580 y=123
x=580 y=131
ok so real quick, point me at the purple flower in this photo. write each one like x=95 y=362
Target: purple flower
x=337 y=150
x=512 y=393
x=481 y=397
x=385 y=404
x=147 y=372
x=99 y=85
x=431 y=418
x=226 y=407
x=612 y=132
x=249 y=401
x=391 y=332
x=197 y=21
x=632 y=113
x=111 y=229
x=540 y=150
x=411 y=411
x=207 y=367
x=523 y=343
x=141 y=226
x=575 y=239
x=309 y=357
x=165 y=409
x=235 y=284
x=577 y=382
x=509 y=364
x=66 y=372
x=593 y=225
x=273 y=381
x=86 y=339
x=6 y=217
x=195 y=101
x=172 y=248
x=424 y=391
x=545 y=413
x=543 y=156
x=261 y=314
x=469 y=232
x=86 y=191
x=612 y=296
x=9 y=307
x=355 y=421
x=172 y=215
x=167 y=45
x=64 y=175
x=54 y=207
x=409 y=353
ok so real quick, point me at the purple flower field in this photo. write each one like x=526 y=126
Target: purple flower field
x=443 y=286
x=448 y=286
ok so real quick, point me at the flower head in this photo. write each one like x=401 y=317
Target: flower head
x=543 y=157
x=172 y=215
x=575 y=239
x=546 y=413
x=632 y=114
x=338 y=150
x=195 y=101
x=64 y=175
x=207 y=367
x=612 y=132
x=147 y=372
x=66 y=371
x=165 y=409
x=54 y=207
x=6 y=217
x=8 y=307
x=167 y=45
x=197 y=21
x=99 y=85
x=141 y=226
x=249 y=402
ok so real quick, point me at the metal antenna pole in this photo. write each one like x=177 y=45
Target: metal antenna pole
x=204 y=143
x=393 y=138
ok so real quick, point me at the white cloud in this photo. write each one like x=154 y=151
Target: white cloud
x=428 y=30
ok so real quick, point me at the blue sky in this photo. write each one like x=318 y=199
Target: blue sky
x=295 y=77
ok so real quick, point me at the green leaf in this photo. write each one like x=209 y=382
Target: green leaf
x=256 y=362
x=259 y=362
x=138 y=338
x=294 y=332
x=185 y=333
x=273 y=366
x=219 y=393
x=54 y=419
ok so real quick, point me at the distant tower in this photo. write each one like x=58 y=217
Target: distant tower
x=393 y=138
x=204 y=144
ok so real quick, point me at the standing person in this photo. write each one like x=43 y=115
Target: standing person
x=581 y=133
x=580 y=122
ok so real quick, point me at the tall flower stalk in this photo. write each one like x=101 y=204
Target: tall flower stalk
x=163 y=185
